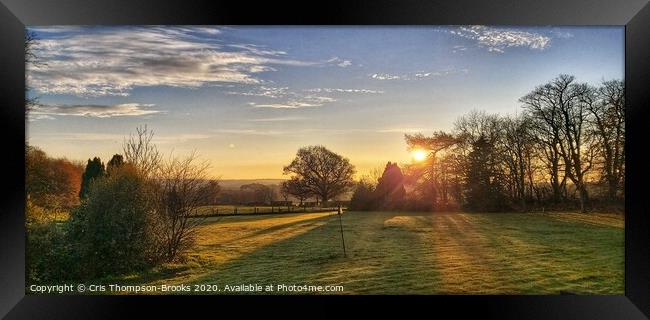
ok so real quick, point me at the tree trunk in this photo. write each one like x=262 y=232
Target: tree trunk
x=584 y=197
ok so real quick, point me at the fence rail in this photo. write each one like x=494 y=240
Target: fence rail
x=232 y=210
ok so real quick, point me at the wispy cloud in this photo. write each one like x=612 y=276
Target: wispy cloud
x=418 y=75
x=112 y=61
x=92 y=110
x=263 y=91
x=340 y=62
x=303 y=102
x=339 y=90
x=385 y=76
x=314 y=97
x=499 y=39
x=114 y=137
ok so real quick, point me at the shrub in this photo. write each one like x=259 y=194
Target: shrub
x=114 y=228
x=363 y=197
x=49 y=257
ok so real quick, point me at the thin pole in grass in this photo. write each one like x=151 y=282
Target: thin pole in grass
x=340 y=213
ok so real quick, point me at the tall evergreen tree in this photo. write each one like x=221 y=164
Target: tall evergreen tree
x=94 y=169
x=483 y=181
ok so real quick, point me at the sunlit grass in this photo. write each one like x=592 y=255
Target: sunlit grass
x=409 y=253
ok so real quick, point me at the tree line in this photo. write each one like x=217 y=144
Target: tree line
x=565 y=149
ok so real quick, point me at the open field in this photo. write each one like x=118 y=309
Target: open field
x=408 y=253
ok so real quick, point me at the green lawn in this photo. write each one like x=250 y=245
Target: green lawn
x=408 y=253
x=245 y=209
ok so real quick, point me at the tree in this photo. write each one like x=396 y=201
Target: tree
x=561 y=110
x=114 y=229
x=140 y=151
x=32 y=60
x=325 y=173
x=258 y=193
x=116 y=161
x=483 y=179
x=363 y=197
x=296 y=187
x=211 y=191
x=180 y=192
x=51 y=183
x=517 y=148
x=389 y=193
x=430 y=176
x=94 y=169
x=608 y=126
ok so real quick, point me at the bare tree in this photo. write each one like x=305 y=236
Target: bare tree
x=562 y=106
x=517 y=153
x=325 y=173
x=608 y=126
x=32 y=61
x=297 y=188
x=140 y=151
x=181 y=190
x=544 y=113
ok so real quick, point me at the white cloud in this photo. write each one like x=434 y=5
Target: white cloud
x=418 y=75
x=112 y=61
x=93 y=110
x=339 y=90
x=499 y=39
x=304 y=102
x=263 y=91
x=385 y=76
x=340 y=62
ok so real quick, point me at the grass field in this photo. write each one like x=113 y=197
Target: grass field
x=216 y=210
x=409 y=253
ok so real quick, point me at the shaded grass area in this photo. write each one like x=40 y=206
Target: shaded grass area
x=407 y=253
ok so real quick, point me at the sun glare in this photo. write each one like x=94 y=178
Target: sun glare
x=419 y=155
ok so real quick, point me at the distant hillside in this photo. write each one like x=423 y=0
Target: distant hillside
x=236 y=183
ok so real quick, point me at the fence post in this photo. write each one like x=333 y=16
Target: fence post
x=340 y=213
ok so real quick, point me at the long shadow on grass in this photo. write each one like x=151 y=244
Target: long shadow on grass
x=562 y=255
x=379 y=260
x=302 y=223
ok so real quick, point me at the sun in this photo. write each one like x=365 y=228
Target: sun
x=419 y=155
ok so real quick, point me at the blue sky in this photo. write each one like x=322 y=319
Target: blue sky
x=246 y=98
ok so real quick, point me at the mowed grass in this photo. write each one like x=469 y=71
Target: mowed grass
x=408 y=253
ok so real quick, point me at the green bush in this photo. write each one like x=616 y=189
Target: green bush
x=114 y=228
x=49 y=256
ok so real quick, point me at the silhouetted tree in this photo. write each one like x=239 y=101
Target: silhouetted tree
x=325 y=173
x=389 y=193
x=31 y=61
x=561 y=110
x=608 y=126
x=296 y=188
x=94 y=169
x=483 y=180
x=363 y=198
x=116 y=161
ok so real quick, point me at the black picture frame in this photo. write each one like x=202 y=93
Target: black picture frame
x=634 y=15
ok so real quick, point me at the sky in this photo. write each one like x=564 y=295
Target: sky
x=247 y=98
